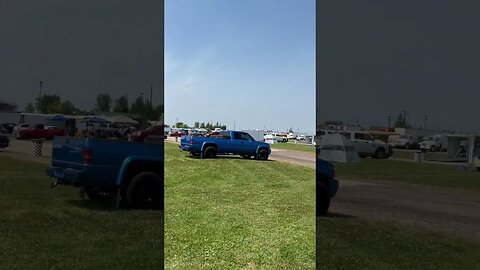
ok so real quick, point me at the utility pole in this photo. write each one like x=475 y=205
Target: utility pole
x=41 y=85
x=405 y=113
x=151 y=93
x=425 y=122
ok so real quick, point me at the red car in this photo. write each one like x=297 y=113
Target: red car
x=140 y=135
x=40 y=132
x=178 y=133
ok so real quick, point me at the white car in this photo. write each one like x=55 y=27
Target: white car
x=275 y=137
x=365 y=145
x=300 y=137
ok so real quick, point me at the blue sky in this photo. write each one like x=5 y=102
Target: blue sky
x=250 y=62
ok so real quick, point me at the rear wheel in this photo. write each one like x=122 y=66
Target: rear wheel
x=145 y=191
x=322 y=199
x=209 y=152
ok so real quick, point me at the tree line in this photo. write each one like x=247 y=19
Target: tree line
x=53 y=104
x=207 y=126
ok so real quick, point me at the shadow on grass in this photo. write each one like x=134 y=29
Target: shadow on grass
x=104 y=206
x=338 y=215
x=230 y=157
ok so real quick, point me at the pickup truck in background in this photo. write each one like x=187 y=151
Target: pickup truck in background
x=227 y=142
x=403 y=141
x=366 y=146
x=40 y=132
x=140 y=135
x=128 y=173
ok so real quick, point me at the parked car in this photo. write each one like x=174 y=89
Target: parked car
x=403 y=141
x=4 y=141
x=128 y=173
x=17 y=128
x=366 y=146
x=177 y=133
x=40 y=132
x=300 y=137
x=140 y=135
x=275 y=137
x=227 y=142
x=8 y=126
x=433 y=143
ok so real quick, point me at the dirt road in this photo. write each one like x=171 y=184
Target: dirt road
x=441 y=210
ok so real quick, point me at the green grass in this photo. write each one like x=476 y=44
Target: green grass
x=293 y=146
x=231 y=213
x=352 y=243
x=428 y=155
x=44 y=228
x=411 y=173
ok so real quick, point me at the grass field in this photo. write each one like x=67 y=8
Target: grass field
x=225 y=213
x=231 y=213
x=293 y=146
x=428 y=155
x=44 y=228
x=410 y=173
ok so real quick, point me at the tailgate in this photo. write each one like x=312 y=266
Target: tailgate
x=67 y=152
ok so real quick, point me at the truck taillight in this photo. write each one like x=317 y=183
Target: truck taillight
x=87 y=155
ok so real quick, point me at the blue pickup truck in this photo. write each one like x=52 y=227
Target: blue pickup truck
x=326 y=185
x=128 y=173
x=227 y=142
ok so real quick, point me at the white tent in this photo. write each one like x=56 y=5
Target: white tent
x=121 y=119
x=335 y=147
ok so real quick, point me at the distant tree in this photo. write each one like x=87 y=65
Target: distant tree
x=121 y=104
x=137 y=106
x=202 y=125
x=197 y=125
x=30 y=108
x=334 y=122
x=48 y=104
x=290 y=130
x=209 y=126
x=224 y=127
x=67 y=107
x=104 y=102
x=181 y=125
x=401 y=123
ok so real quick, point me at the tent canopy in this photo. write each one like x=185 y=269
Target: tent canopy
x=121 y=119
x=336 y=148
x=59 y=117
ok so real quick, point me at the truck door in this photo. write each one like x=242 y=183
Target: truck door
x=244 y=143
x=362 y=144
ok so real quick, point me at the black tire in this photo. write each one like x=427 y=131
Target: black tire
x=145 y=191
x=380 y=153
x=209 y=152
x=96 y=194
x=246 y=156
x=263 y=154
x=322 y=199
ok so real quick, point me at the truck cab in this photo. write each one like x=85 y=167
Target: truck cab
x=226 y=142
x=366 y=145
